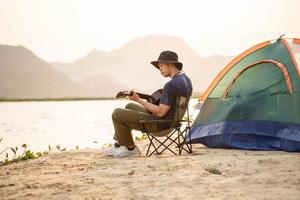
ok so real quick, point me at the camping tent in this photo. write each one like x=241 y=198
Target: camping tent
x=254 y=102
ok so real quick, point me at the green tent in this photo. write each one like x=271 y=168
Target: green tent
x=254 y=103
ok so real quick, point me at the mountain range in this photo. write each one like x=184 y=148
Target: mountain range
x=24 y=75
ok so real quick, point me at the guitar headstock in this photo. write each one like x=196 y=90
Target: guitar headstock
x=123 y=94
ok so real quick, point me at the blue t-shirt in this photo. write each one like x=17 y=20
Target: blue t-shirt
x=179 y=85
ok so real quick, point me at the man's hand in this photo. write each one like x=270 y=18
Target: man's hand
x=160 y=110
x=134 y=97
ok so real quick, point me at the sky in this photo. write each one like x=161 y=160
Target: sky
x=65 y=30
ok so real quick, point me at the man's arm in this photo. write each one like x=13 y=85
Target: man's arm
x=160 y=110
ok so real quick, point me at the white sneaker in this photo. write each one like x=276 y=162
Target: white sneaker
x=111 y=150
x=124 y=152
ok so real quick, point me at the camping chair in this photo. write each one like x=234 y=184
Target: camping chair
x=173 y=135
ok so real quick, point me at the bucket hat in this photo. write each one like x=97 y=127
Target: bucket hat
x=167 y=57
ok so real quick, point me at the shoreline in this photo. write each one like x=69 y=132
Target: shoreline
x=56 y=99
x=195 y=95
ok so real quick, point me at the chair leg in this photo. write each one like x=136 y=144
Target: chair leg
x=163 y=144
x=188 y=145
x=168 y=137
x=190 y=139
x=149 y=145
x=178 y=136
x=150 y=137
x=181 y=145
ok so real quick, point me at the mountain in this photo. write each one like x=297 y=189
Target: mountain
x=130 y=64
x=99 y=73
x=24 y=75
x=102 y=85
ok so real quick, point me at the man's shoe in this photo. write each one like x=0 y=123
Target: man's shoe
x=111 y=150
x=124 y=152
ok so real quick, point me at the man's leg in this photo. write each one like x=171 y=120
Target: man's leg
x=124 y=121
x=134 y=106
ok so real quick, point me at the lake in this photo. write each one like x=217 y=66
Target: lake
x=86 y=124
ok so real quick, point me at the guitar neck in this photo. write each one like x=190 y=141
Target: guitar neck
x=144 y=96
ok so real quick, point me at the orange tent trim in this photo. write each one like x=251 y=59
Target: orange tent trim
x=291 y=53
x=229 y=66
x=296 y=41
x=279 y=64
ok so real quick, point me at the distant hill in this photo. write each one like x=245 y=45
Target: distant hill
x=99 y=73
x=130 y=64
x=102 y=85
x=24 y=75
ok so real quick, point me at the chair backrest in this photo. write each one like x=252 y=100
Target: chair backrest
x=182 y=104
x=181 y=107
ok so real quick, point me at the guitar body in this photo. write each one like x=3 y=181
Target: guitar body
x=153 y=98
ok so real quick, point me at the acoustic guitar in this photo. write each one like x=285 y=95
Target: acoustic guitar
x=153 y=98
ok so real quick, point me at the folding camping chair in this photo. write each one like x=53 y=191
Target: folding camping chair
x=173 y=135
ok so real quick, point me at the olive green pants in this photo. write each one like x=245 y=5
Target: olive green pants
x=125 y=120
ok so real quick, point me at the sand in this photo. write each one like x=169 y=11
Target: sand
x=89 y=174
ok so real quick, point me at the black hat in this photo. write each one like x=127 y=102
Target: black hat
x=167 y=57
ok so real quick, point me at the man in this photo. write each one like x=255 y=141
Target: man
x=125 y=120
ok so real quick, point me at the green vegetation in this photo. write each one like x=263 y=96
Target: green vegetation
x=213 y=170
x=26 y=154
x=142 y=137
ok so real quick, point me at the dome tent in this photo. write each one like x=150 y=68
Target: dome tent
x=254 y=102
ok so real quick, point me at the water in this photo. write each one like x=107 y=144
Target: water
x=65 y=123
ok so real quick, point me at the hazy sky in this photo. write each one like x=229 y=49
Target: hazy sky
x=65 y=30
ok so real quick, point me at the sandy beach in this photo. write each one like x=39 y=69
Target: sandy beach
x=89 y=174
